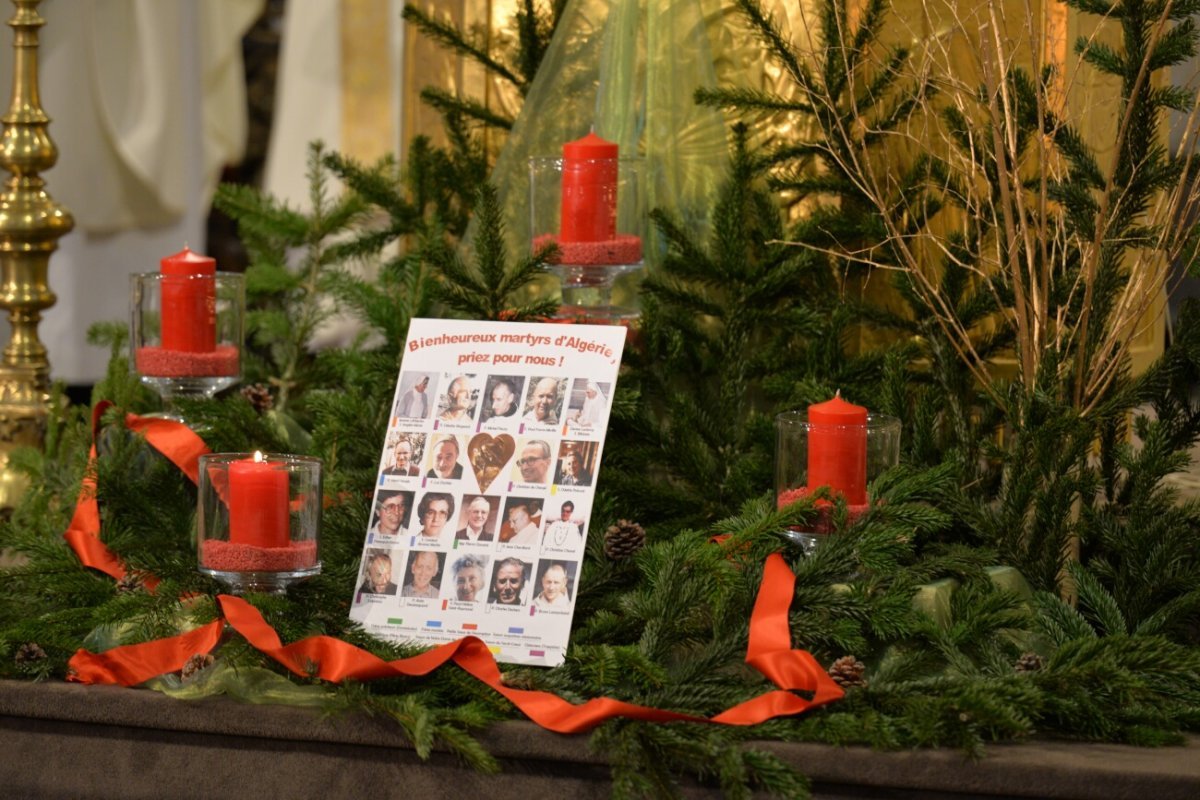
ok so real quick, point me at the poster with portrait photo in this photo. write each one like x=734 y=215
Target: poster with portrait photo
x=510 y=583
x=522 y=522
x=456 y=406
x=502 y=400
x=564 y=525
x=435 y=514
x=466 y=581
x=445 y=457
x=576 y=463
x=378 y=574
x=505 y=423
x=422 y=575
x=477 y=520
x=554 y=586
x=587 y=405
x=390 y=516
x=544 y=401
x=403 y=455
x=416 y=397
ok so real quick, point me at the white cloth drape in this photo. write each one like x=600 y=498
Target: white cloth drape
x=147 y=104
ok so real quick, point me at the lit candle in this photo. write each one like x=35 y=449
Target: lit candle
x=258 y=503
x=837 y=448
x=589 y=190
x=189 y=302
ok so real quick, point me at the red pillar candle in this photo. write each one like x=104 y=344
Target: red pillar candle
x=258 y=503
x=189 y=302
x=837 y=448
x=589 y=190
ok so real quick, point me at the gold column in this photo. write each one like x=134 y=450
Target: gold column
x=30 y=226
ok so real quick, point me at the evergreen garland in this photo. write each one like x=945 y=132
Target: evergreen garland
x=733 y=330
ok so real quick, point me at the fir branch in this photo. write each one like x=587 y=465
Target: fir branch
x=489 y=290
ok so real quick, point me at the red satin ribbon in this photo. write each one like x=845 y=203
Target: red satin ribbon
x=769 y=652
x=769 y=648
x=176 y=441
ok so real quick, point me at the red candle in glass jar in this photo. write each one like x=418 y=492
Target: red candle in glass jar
x=258 y=503
x=189 y=302
x=589 y=190
x=837 y=448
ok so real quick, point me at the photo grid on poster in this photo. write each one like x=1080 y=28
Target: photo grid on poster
x=485 y=486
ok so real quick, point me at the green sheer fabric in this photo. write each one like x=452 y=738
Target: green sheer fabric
x=628 y=69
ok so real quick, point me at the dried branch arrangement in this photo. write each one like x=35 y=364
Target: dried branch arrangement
x=986 y=170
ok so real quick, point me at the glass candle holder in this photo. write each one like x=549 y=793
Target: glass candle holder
x=598 y=224
x=805 y=450
x=210 y=309
x=259 y=520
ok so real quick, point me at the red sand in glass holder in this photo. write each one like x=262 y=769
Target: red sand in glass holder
x=624 y=250
x=224 y=556
x=823 y=525
x=155 y=362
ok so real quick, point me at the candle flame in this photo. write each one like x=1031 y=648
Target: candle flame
x=258 y=456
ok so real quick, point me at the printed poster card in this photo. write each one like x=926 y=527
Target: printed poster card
x=485 y=485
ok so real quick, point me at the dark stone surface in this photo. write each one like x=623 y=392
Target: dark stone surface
x=71 y=741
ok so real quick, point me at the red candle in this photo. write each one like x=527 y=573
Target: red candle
x=258 y=503
x=837 y=448
x=189 y=302
x=589 y=190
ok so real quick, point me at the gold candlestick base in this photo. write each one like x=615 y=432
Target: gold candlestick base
x=31 y=224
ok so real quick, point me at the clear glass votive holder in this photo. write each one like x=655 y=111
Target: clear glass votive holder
x=589 y=262
x=185 y=332
x=259 y=520
x=844 y=457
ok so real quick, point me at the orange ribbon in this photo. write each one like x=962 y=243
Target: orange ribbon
x=176 y=441
x=768 y=650
x=334 y=660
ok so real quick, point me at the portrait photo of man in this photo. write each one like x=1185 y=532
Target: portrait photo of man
x=434 y=511
x=478 y=525
x=414 y=402
x=564 y=533
x=423 y=569
x=544 y=401
x=469 y=575
x=522 y=517
x=533 y=462
x=571 y=470
x=443 y=461
x=555 y=583
x=391 y=513
x=502 y=396
x=377 y=573
x=404 y=456
x=458 y=404
x=508 y=582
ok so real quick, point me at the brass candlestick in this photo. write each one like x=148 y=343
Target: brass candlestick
x=31 y=224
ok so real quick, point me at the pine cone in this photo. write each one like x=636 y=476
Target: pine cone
x=196 y=664
x=29 y=653
x=848 y=671
x=517 y=680
x=259 y=395
x=1029 y=662
x=134 y=581
x=623 y=539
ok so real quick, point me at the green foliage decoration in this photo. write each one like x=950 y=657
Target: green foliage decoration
x=734 y=329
